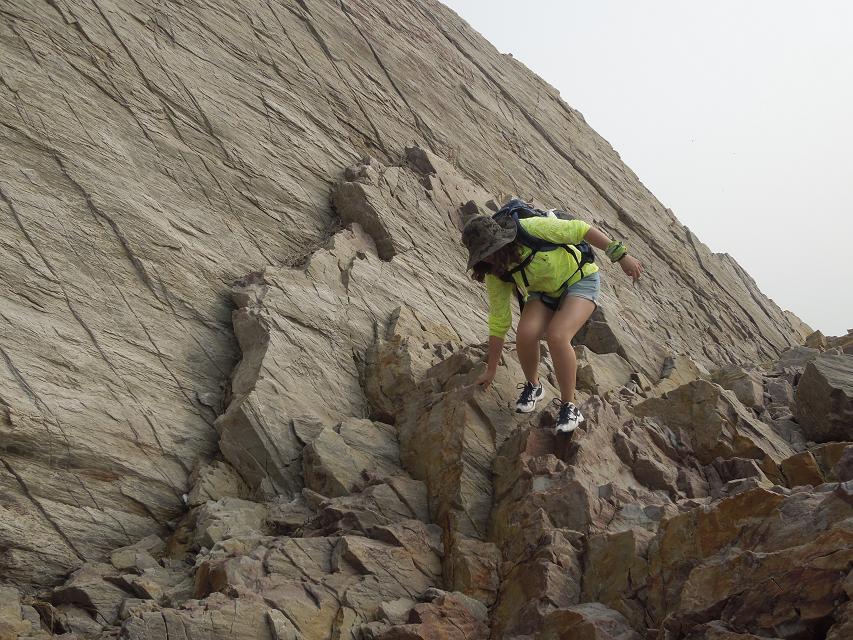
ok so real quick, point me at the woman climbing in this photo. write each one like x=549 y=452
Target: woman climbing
x=558 y=286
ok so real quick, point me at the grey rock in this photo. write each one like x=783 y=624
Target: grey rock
x=227 y=518
x=747 y=385
x=214 y=481
x=796 y=357
x=825 y=399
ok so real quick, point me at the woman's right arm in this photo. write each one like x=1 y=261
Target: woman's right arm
x=500 y=319
x=496 y=346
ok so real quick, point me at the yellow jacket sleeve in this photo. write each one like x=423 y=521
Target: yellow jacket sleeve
x=557 y=230
x=500 y=310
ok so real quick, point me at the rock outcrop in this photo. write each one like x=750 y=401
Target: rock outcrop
x=239 y=347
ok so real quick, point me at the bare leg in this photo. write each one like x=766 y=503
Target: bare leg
x=531 y=327
x=571 y=316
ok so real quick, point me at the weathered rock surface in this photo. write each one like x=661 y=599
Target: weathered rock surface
x=714 y=423
x=152 y=153
x=239 y=347
x=825 y=398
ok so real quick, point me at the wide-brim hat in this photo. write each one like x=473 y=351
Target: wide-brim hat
x=482 y=236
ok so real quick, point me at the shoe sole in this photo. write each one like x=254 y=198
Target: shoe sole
x=559 y=430
x=564 y=430
x=533 y=408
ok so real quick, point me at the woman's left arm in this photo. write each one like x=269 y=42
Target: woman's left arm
x=630 y=265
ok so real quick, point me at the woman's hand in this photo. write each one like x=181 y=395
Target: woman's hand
x=486 y=379
x=632 y=267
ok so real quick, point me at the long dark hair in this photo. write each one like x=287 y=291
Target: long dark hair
x=502 y=261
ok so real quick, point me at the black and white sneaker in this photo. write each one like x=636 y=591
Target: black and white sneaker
x=530 y=395
x=569 y=417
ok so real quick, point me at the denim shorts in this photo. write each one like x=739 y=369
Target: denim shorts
x=588 y=287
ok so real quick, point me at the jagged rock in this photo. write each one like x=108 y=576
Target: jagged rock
x=715 y=424
x=476 y=608
x=816 y=340
x=286 y=518
x=282 y=628
x=392 y=500
x=376 y=558
x=444 y=618
x=843 y=470
x=226 y=518
x=790 y=431
x=12 y=624
x=828 y=456
x=135 y=607
x=169 y=587
x=473 y=568
x=334 y=462
x=716 y=630
x=213 y=481
x=747 y=385
x=614 y=566
x=796 y=357
x=606 y=333
x=396 y=611
x=177 y=171
x=138 y=555
x=780 y=391
x=590 y=620
x=79 y=622
x=599 y=374
x=215 y=617
x=802 y=469
x=825 y=398
x=92 y=588
x=699 y=570
x=677 y=371
x=843 y=627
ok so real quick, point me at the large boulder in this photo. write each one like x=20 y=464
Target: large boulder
x=715 y=424
x=12 y=623
x=825 y=398
x=747 y=385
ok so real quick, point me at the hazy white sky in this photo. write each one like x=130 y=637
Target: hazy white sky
x=737 y=114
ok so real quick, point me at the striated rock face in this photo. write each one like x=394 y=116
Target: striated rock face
x=239 y=344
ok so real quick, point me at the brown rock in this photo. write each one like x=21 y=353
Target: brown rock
x=677 y=371
x=828 y=456
x=445 y=618
x=591 y=620
x=226 y=518
x=781 y=392
x=802 y=469
x=473 y=568
x=214 y=481
x=602 y=373
x=614 y=568
x=139 y=553
x=843 y=627
x=789 y=578
x=746 y=385
x=88 y=589
x=843 y=470
x=12 y=623
x=716 y=424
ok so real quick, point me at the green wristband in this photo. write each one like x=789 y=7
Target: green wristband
x=616 y=251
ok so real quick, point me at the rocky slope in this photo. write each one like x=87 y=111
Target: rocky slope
x=236 y=374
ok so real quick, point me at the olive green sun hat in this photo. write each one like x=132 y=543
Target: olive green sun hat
x=482 y=236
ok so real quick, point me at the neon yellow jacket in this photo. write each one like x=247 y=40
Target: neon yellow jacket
x=546 y=273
